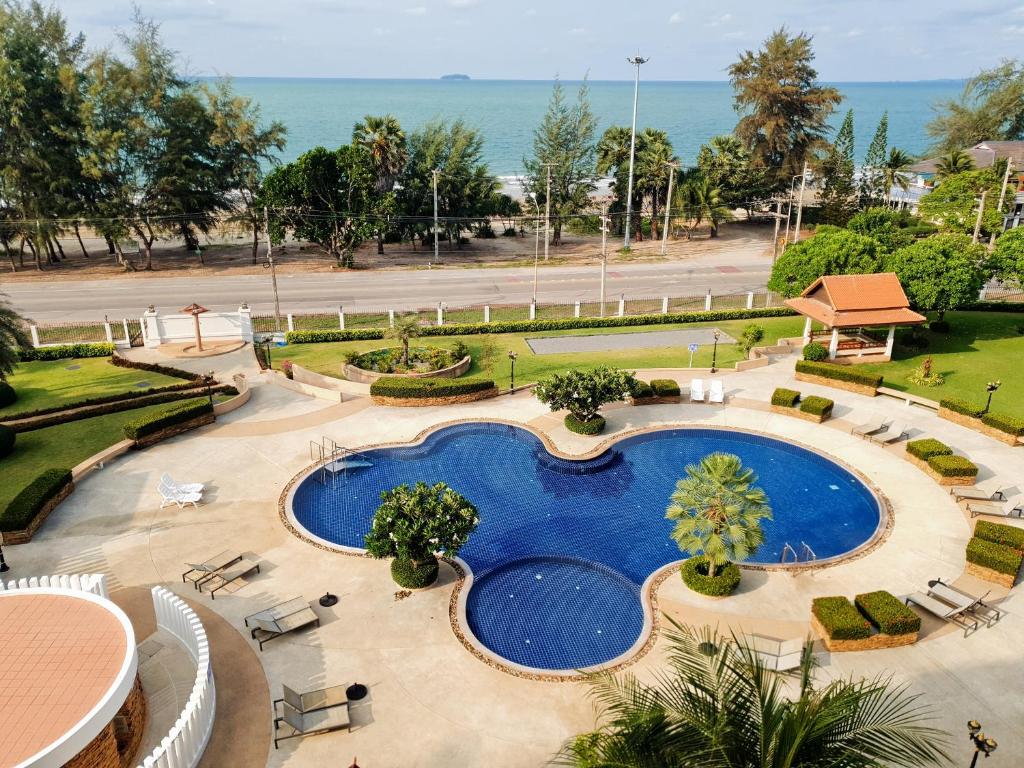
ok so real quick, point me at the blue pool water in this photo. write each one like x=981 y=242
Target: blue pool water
x=563 y=547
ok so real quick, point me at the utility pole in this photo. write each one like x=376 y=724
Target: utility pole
x=775 y=237
x=977 y=221
x=636 y=61
x=273 y=270
x=434 y=173
x=668 y=207
x=604 y=250
x=800 y=204
x=1002 y=199
x=547 y=214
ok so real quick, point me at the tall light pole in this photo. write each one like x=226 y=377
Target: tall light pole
x=536 y=244
x=434 y=173
x=636 y=61
x=273 y=271
x=672 y=167
x=800 y=204
x=775 y=237
x=604 y=250
x=547 y=214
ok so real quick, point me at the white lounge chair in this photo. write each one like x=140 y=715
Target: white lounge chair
x=717 y=393
x=697 y=391
x=892 y=433
x=777 y=655
x=1014 y=507
x=990 y=491
x=170 y=482
x=174 y=496
x=954 y=614
x=869 y=427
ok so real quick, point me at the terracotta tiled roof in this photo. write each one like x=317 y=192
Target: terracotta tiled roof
x=852 y=301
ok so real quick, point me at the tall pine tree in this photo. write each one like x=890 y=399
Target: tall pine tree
x=838 y=193
x=872 y=178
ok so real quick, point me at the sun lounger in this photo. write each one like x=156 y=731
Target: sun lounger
x=697 y=391
x=280 y=619
x=1011 y=508
x=310 y=723
x=325 y=698
x=943 y=610
x=975 y=605
x=717 y=393
x=174 y=496
x=869 y=427
x=777 y=655
x=980 y=492
x=892 y=433
x=200 y=572
x=169 y=481
x=229 y=575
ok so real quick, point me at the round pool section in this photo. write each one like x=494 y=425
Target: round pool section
x=564 y=547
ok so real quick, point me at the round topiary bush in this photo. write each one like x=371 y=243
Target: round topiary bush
x=7 y=394
x=410 y=576
x=724 y=582
x=815 y=352
x=592 y=426
x=7 y=438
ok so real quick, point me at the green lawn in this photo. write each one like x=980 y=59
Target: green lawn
x=48 y=383
x=490 y=352
x=980 y=347
x=62 y=446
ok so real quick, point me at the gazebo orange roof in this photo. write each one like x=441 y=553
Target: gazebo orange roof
x=856 y=301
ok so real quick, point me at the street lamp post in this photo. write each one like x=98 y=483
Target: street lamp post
x=636 y=61
x=672 y=167
x=536 y=244
x=209 y=386
x=433 y=174
x=714 y=351
x=991 y=388
x=512 y=371
x=4 y=567
x=982 y=744
x=604 y=251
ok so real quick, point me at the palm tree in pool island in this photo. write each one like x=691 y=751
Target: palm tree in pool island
x=717 y=508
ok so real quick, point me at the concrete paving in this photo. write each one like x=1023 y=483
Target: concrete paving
x=434 y=703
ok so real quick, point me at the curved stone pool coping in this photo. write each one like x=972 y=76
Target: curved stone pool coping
x=648 y=590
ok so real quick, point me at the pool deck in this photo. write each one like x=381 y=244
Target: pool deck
x=434 y=703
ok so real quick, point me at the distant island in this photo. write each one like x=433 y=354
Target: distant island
x=455 y=77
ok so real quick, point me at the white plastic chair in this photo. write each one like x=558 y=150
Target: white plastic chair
x=697 y=391
x=170 y=482
x=174 y=496
x=717 y=392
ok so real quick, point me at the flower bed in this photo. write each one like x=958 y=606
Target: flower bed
x=426 y=362
x=838 y=376
x=936 y=460
x=592 y=426
x=724 y=582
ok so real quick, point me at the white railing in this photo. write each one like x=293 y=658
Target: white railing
x=184 y=744
x=94 y=583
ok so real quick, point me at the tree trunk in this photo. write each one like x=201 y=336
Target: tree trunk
x=380 y=243
x=255 y=240
x=10 y=256
x=405 y=352
x=81 y=245
x=50 y=253
x=111 y=250
x=711 y=569
x=34 y=248
x=654 y=217
x=21 y=253
x=60 y=250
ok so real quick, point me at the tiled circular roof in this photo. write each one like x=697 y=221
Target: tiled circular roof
x=62 y=656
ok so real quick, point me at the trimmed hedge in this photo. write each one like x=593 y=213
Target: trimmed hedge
x=997 y=557
x=155 y=422
x=962 y=407
x=7 y=439
x=24 y=507
x=394 y=386
x=593 y=427
x=695 y=576
x=886 y=612
x=817 y=406
x=102 y=400
x=953 y=466
x=409 y=576
x=840 y=618
x=815 y=352
x=787 y=398
x=62 y=351
x=1007 y=535
x=839 y=373
x=166 y=370
x=7 y=394
x=665 y=388
x=993 y=306
x=1011 y=425
x=526 y=326
x=642 y=390
x=928 y=447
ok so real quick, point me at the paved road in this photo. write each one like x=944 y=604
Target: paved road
x=91 y=299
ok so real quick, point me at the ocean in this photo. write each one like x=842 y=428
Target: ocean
x=323 y=111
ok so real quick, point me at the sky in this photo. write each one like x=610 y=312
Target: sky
x=855 y=40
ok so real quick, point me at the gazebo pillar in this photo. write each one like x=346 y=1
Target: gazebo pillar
x=889 y=341
x=807 y=330
x=833 y=345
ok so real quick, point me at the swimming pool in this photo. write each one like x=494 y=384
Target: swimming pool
x=564 y=547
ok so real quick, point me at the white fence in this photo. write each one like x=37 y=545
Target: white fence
x=184 y=745
x=94 y=583
x=168 y=329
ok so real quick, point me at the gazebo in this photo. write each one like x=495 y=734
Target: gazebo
x=853 y=310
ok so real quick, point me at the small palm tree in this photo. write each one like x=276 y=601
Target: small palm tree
x=704 y=200
x=13 y=336
x=894 y=170
x=406 y=327
x=718 y=510
x=718 y=706
x=384 y=139
x=953 y=163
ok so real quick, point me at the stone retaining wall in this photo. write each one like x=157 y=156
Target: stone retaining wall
x=978 y=426
x=795 y=411
x=363 y=376
x=872 y=643
x=925 y=467
x=987 y=574
x=177 y=429
x=421 y=402
x=847 y=386
x=25 y=535
x=658 y=400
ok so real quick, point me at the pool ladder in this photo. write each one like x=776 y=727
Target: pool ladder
x=806 y=554
x=325 y=454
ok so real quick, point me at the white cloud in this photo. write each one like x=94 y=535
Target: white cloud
x=855 y=32
x=734 y=35
x=675 y=18
x=720 y=21
x=463 y=3
x=417 y=10
x=579 y=31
